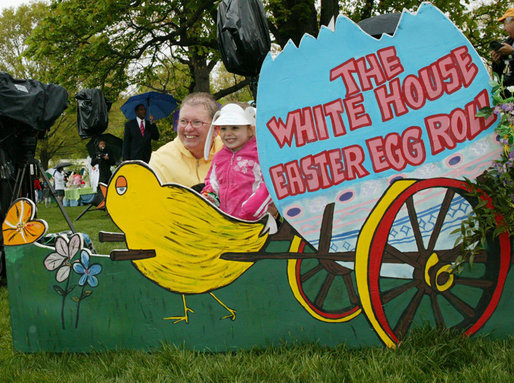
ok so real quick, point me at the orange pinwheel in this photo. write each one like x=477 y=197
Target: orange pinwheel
x=19 y=226
x=103 y=190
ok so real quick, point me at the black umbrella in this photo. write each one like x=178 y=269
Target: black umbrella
x=376 y=26
x=62 y=165
x=113 y=145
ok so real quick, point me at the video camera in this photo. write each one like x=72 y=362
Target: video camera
x=495 y=45
x=28 y=109
x=100 y=153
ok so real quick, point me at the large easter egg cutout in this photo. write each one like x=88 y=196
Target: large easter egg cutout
x=364 y=144
x=343 y=116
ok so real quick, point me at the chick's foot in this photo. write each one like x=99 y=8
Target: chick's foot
x=185 y=317
x=232 y=312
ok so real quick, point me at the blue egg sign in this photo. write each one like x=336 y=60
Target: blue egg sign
x=345 y=115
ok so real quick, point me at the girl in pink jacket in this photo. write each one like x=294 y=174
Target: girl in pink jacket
x=235 y=178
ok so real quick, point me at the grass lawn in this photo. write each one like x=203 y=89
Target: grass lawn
x=426 y=356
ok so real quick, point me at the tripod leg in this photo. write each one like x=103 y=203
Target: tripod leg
x=84 y=212
x=18 y=183
x=59 y=203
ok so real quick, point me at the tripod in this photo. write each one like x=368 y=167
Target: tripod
x=23 y=182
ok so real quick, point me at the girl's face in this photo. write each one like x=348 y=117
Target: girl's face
x=234 y=137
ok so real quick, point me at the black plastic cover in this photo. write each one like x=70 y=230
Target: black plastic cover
x=243 y=36
x=31 y=102
x=92 y=112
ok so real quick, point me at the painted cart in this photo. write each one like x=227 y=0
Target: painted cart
x=365 y=144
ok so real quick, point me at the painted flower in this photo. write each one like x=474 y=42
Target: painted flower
x=64 y=253
x=19 y=226
x=88 y=272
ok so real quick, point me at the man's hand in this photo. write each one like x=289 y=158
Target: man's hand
x=151 y=119
x=504 y=51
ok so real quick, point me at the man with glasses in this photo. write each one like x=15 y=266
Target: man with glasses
x=181 y=160
x=503 y=55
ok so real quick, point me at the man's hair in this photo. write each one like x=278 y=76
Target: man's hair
x=202 y=98
x=138 y=105
x=508 y=19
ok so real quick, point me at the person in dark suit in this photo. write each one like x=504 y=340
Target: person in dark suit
x=138 y=136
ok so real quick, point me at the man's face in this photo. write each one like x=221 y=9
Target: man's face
x=141 y=112
x=101 y=145
x=509 y=26
x=194 y=138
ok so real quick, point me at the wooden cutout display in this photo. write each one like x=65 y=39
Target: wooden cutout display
x=364 y=144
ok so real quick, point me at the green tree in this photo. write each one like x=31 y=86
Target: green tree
x=171 y=46
x=113 y=44
x=16 y=25
x=222 y=79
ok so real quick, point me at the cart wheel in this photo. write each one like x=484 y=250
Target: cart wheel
x=323 y=287
x=431 y=293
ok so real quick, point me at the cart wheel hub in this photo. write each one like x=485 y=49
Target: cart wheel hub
x=443 y=278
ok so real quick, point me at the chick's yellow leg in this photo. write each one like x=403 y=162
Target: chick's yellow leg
x=232 y=312
x=185 y=316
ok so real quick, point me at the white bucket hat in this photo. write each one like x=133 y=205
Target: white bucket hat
x=231 y=114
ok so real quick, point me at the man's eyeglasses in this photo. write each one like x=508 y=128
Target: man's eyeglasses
x=194 y=123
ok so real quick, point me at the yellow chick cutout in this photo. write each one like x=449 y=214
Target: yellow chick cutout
x=187 y=233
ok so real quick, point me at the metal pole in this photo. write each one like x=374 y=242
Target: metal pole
x=61 y=207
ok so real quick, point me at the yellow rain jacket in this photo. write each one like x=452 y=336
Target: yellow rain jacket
x=173 y=163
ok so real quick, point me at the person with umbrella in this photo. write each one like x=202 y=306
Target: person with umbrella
x=104 y=160
x=139 y=133
x=59 y=181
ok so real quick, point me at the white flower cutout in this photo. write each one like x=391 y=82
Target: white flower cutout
x=64 y=253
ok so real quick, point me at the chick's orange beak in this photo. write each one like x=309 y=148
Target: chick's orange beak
x=121 y=185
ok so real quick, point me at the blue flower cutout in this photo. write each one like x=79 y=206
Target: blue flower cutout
x=88 y=273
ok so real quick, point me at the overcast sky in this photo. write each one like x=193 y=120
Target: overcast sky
x=12 y=3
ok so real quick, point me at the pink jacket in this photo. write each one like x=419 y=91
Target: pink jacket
x=236 y=179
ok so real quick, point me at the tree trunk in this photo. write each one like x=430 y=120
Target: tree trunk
x=329 y=10
x=293 y=18
x=44 y=158
x=367 y=9
x=200 y=70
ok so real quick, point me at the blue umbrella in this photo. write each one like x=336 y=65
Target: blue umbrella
x=158 y=105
